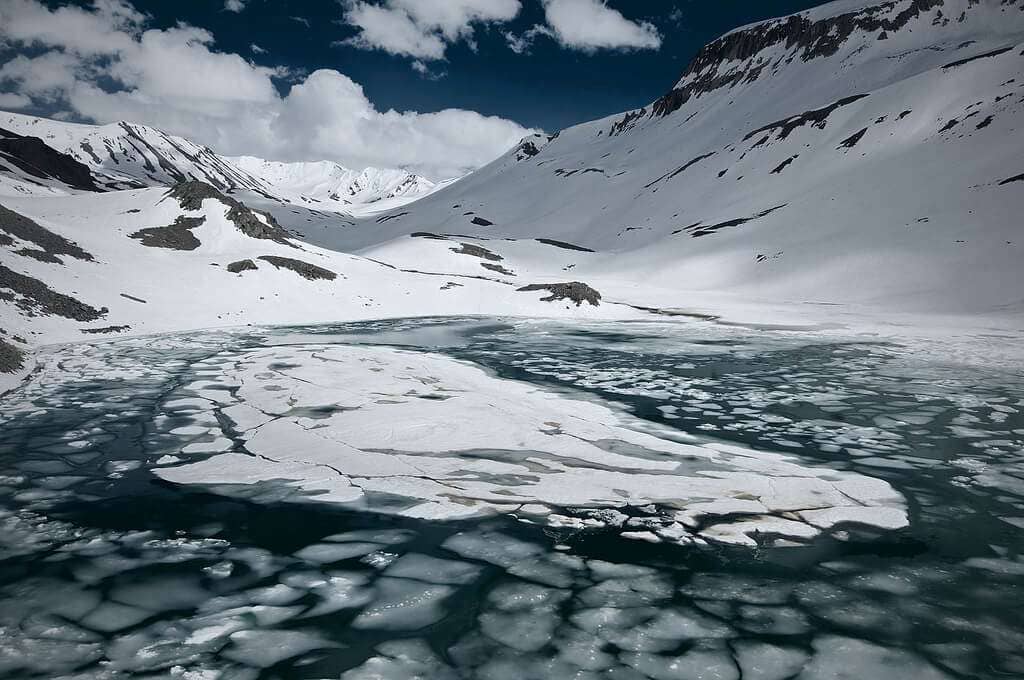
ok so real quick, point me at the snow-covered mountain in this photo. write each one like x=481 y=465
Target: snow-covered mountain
x=127 y=155
x=133 y=155
x=861 y=152
x=327 y=182
x=862 y=158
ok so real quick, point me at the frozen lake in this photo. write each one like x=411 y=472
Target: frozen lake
x=513 y=499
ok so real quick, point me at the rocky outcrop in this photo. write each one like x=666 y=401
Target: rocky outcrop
x=25 y=229
x=177 y=236
x=303 y=269
x=191 y=194
x=563 y=245
x=731 y=60
x=575 y=291
x=35 y=298
x=242 y=266
x=32 y=156
x=476 y=251
x=12 y=359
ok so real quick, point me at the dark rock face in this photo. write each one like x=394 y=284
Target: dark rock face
x=993 y=53
x=11 y=358
x=242 y=266
x=497 y=268
x=477 y=251
x=33 y=156
x=563 y=245
x=192 y=193
x=177 y=236
x=852 y=140
x=36 y=298
x=816 y=117
x=51 y=244
x=106 y=329
x=699 y=229
x=801 y=37
x=681 y=169
x=303 y=269
x=388 y=218
x=526 y=150
x=481 y=222
x=784 y=164
x=575 y=291
x=1011 y=180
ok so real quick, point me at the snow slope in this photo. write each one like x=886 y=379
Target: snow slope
x=858 y=154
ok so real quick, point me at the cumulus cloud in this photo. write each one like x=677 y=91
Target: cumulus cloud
x=422 y=29
x=588 y=25
x=175 y=79
x=256 y=49
x=235 y=6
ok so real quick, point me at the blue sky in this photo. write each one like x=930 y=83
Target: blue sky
x=551 y=87
x=435 y=86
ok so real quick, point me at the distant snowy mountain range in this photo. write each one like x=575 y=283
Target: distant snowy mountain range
x=328 y=182
x=857 y=160
x=127 y=155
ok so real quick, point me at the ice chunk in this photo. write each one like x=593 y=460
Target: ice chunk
x=110 y=617
x=325 y=553
x=264 y=648
x=432 y=569
x=403 y=604
x=761 y=661
x=694 y=665
x=402 y=660
x=842 y=658
x=161 y=594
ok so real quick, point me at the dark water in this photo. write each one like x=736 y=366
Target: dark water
x=106 y=571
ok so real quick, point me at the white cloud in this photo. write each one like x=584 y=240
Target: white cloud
x=235 y=6
x=111 y=25
x=521 y=44
x=10 y=100
x=46 y=77
x=256 y=49
x=423 y=29
x=302 y=20
x=590 y=25
x=176 y=80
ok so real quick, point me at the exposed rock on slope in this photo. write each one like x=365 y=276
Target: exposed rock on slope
x=575 y=291
x=303 y=269
x=34 y=297
x=28 y=231
x=12 y=359
x=35 y=159
x=177 y=236
x=191 y=195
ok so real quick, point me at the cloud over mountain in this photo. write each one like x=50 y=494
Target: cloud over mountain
x=104 y=63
